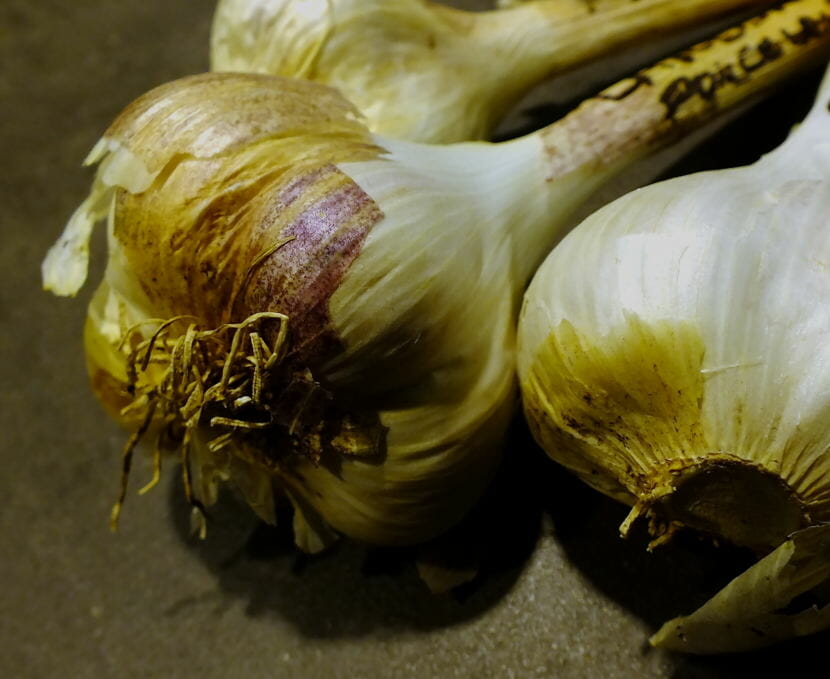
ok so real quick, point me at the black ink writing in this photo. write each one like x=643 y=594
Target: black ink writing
x=766 y=52
x=705 y=85
x=810 y=29
x=637 y=81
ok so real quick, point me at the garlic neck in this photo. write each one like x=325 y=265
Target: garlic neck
x=531 y=210
x=500 y=190
x=729 y=498
x=805 y=155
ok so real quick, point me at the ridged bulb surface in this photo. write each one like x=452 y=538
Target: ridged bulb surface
x=681 y=324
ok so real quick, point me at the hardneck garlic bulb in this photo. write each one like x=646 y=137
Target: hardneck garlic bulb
x=426 y=72
x=673 y=354
x=295 y=305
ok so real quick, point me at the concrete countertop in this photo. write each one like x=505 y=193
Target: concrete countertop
x=560 y=594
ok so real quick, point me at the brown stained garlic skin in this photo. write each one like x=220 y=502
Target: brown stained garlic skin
x=214 y=259
x=221 y=233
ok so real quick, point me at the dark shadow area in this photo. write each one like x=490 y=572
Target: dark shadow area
x=796 y=658
x=673 y=579
x=352 y=590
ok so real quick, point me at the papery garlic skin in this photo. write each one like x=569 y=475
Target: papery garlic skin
x=428 y=337
x=426 y=72
x=673 y=354
x=763 y=605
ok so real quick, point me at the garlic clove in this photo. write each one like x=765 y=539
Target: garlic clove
x=760 y=606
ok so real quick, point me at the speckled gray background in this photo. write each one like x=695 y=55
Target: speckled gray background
x=560 y=595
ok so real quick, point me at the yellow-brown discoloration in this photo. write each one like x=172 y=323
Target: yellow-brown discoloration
x=615 y=409
x=658 y=104
x=625 y=413
x=194 y=236
x=239 y=163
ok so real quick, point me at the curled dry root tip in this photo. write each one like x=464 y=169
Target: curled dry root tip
x=216 y=377
x=661 y=530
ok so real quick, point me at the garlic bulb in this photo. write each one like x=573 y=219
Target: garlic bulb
x=293 y=303
x=425 y=72
x=673 y=354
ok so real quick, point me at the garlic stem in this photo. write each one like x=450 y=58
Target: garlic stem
x=664 y=100
x=544 y=186
x=660 y=104
x=543 y=38
x=430 y=73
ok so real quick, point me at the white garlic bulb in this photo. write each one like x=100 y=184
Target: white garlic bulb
x=294 y=304
x=426 y=72
x=673 y=354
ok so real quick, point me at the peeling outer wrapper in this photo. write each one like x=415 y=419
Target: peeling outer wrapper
x=778 y=598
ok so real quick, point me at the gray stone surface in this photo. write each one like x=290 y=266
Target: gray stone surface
x=560 y=594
